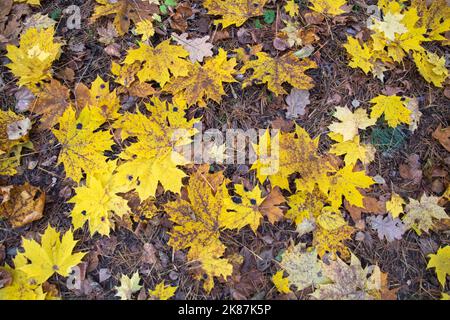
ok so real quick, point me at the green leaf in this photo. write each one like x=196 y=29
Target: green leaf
x=56 y=14
x=269 y=16
x=170 y=3
x=258 y=24
x=163 y=9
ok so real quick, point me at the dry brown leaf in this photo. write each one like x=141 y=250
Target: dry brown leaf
x=269 y=207
x=51 y=103
x=21 y=204
x=411 y=169
x=443 y=136
x=178 y=19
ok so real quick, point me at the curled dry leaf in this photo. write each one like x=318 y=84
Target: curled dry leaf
x=21 y=204
x=443 y=136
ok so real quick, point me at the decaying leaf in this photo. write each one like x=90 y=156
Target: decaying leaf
x=21 y=204
x=443 y=136
x=303 y=267
x=420 y=215
x=198 y=48
x=128 y=286
x=276 y=71
x=387 y=227
x=234 y=11
x=205 y=81
x=349 y=282
x=124 y=12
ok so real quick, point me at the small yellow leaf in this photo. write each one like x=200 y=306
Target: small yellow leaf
x=282 y=284
x=162 y=292
x=441 y=262
x=395 y=205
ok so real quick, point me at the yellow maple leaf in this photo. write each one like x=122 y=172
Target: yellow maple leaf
x=197 y=227
x=97 y=201
x=304 y=205
x=332 y=241
x=303 y=267
x=395 y=205
x=99 y=97
x=161 y=62
x=82 y=148
x=297 y=154
x=162 y=291
x=435 y=17
x=234 y=11
x=330 y=219
x=361 y=56
x=394 y=108
x=390 y=25
x=431 y=67
x=246 y=209
x=128 y=286
x=146 y=29
x=345 y=183
x=51 y=255
x=292 y=8
x=350 y=122
x=276 y=71
x=204 y=82
x=441 y=262
x=330 y=7
x=282 y=284
x=32 y=61
x=124 y=12
x=153 y=157
x=21 y=288
x=420 y=214
x=349 y=282
x=352 y=149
